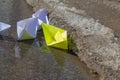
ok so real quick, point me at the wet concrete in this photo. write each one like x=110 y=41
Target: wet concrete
x=107 y=15
x=32 y=59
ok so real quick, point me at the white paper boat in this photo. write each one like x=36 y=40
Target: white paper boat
x=4 y=26
x=27 y=28
x=42 y=16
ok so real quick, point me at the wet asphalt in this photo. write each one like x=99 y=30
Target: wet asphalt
x=32 y=59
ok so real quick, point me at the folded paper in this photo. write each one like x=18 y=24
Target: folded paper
x=4 y=26
x=27 y=28
x=55 y=36
x=42 y=16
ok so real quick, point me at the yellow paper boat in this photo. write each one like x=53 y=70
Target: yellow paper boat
x=55 y=36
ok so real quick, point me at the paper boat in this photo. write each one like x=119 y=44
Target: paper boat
x=4 y=26
x=54 y=36
x=27 y=28
x=42 y=16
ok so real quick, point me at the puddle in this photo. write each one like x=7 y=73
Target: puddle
x=32 y=59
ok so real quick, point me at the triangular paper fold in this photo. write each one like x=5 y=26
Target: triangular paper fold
x=54 y=36
x=27 y=28
x=26 y=35
x=41 y=15
x=4 y=26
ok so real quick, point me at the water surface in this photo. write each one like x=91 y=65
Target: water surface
x=32 y=59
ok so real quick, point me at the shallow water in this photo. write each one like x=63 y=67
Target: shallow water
x=32 y=59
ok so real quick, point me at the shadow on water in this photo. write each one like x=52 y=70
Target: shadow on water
x=6 y=38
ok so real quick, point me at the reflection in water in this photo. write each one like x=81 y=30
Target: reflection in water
x=36 y=43
x=22 y=47
x=58 y=54
x=17 y=51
